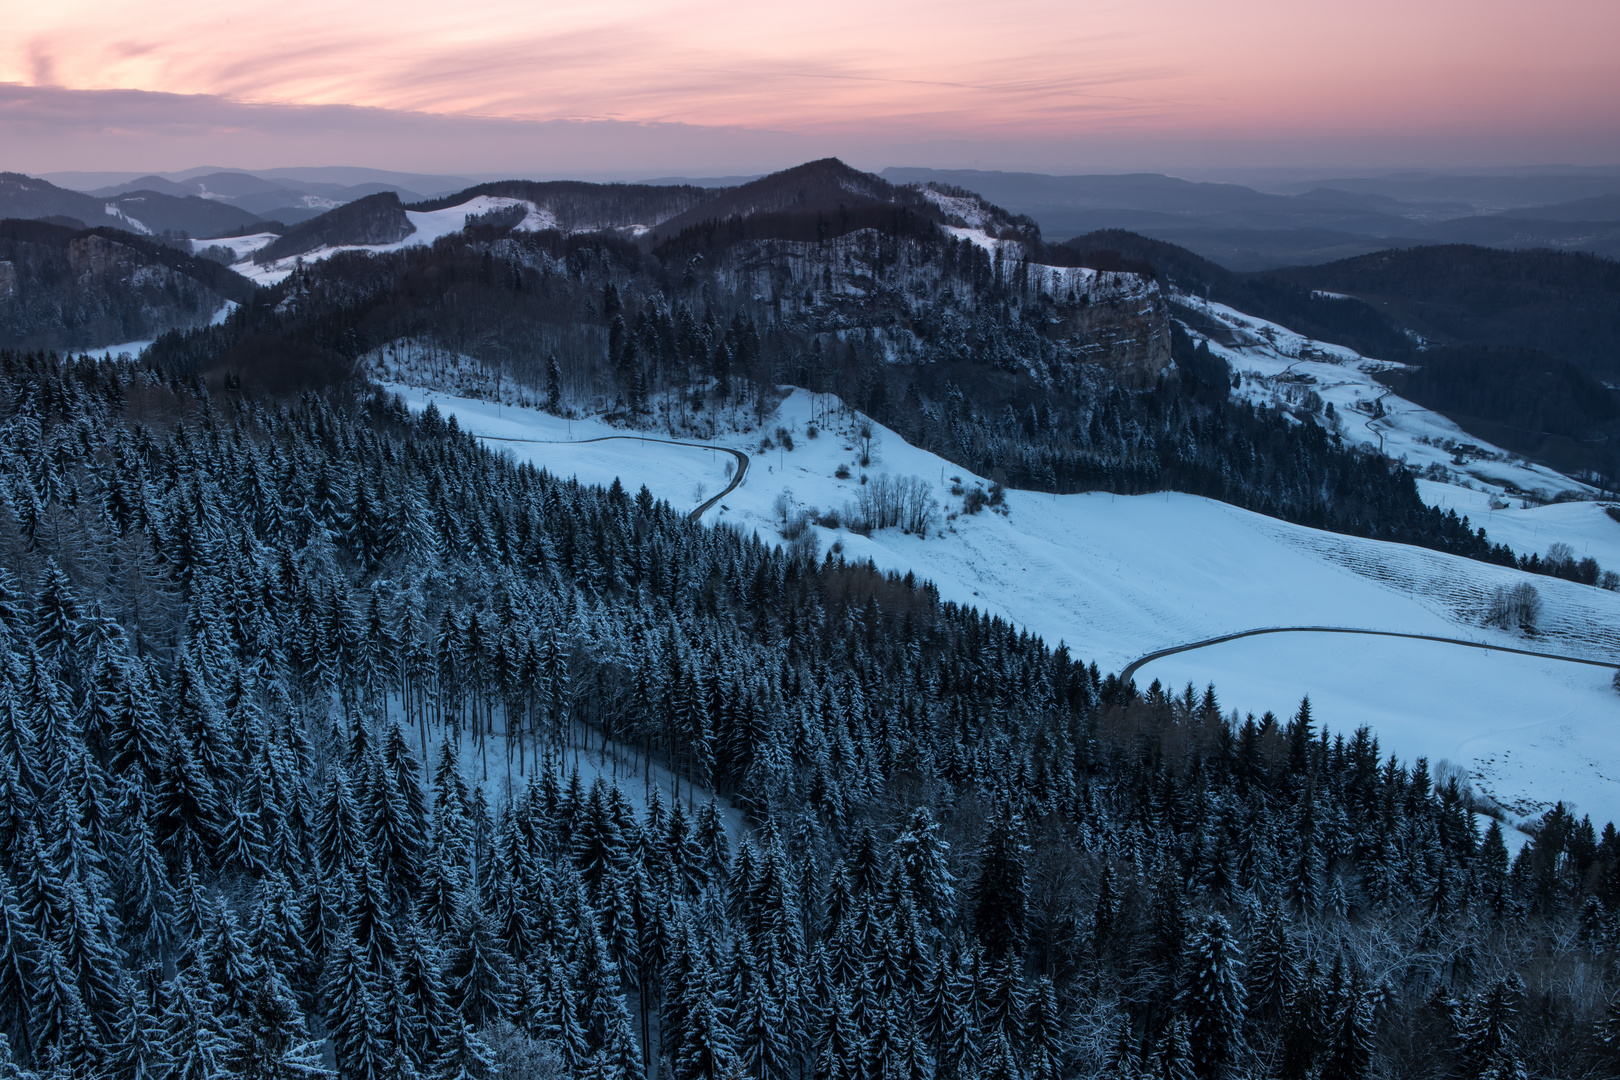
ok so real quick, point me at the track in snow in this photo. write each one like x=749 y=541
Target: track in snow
x=1136 y=665
x=736 y=480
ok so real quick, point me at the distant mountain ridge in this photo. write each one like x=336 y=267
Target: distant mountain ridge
x=1240 y=227
x=139 y=211
x=286 y=201
x=1246 y=229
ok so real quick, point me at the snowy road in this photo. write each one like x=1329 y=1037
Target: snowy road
x=736 y=480
x=1134 y=665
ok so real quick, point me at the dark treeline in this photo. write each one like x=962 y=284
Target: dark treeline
x=578 y=205
x=1565 y=303
x=332 y=741
x=1183 y=434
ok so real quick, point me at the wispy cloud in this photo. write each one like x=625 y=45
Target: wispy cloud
x=884 y=73
x=41 y=64
x=1018 y=65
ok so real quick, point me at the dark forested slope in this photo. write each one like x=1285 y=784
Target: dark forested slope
x=300 y=706
x=1510 y=344
x=1562 y=303
x=1524 y=399
x=66 y=288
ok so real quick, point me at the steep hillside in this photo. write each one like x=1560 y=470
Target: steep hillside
x=1565 y=304
x=62 y=288
x=877 y=284
x=817 y=187
x=375 y=219
x=1525 y=400
x=1118 y=578
x=1445 y=306
x=934 y=313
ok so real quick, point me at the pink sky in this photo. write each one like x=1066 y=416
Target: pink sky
x=1029 y=84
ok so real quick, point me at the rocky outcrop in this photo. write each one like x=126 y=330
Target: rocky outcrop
x=96 y=256
x=930 y=296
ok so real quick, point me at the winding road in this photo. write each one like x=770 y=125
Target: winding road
x=736 y=479
x=1135 y=665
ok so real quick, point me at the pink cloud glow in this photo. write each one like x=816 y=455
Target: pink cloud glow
x=877 y=72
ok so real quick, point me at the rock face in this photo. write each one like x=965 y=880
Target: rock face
x=96 y=256
x=927 y=297
x=8 y=280
x=375 y=219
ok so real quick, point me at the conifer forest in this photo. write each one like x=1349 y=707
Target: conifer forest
x=334 y=744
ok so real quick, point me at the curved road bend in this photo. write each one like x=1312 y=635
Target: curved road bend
x=1135 y=665
x=736 y=479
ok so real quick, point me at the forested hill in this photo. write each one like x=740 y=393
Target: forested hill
x=67 y=288
x=1390 y=304
x=303 y=710
x=1042 y=377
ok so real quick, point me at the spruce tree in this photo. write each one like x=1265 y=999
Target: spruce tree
x=353 y=1014
x=1212 y=1000
x=999 y=897
x=478 y=973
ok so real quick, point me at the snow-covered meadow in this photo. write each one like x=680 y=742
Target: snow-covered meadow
x=1117 y=577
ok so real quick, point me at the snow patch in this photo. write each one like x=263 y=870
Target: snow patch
x=244 y=246
x=134 y=226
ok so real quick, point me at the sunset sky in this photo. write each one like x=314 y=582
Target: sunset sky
x=654 y=86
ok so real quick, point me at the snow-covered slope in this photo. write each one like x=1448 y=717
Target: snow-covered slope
x=1526 y=731
x=1118 y=577
x=1280 y=367
x=243 y=246
x=430 y=225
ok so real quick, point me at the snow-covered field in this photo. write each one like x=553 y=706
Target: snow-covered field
x=113 y=352
x=244 y=246
x=1584 y=526
x=1118 y=577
